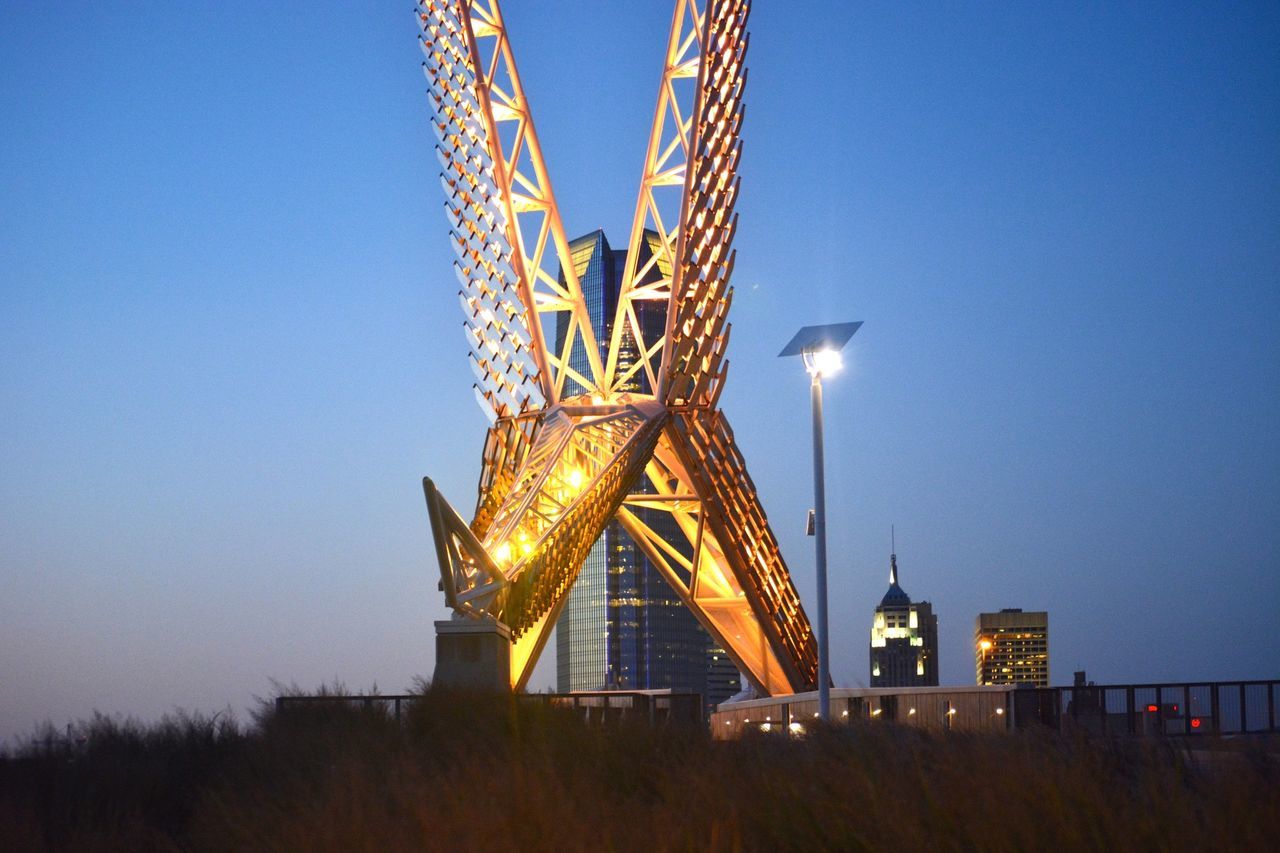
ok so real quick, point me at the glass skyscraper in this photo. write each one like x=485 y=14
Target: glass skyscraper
x=622 y=626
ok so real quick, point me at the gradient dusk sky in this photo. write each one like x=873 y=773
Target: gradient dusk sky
x=230 y=345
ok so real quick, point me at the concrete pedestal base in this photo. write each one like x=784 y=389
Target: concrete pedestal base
x=473 y=654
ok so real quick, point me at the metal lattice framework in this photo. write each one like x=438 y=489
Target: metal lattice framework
x=569 y=446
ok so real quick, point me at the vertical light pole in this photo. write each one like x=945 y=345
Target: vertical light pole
x=820 y=346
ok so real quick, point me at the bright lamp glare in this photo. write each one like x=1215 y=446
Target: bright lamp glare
x=825 y=362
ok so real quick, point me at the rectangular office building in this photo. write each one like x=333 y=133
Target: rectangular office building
x=1012 y=647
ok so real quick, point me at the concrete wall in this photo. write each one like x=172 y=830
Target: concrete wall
x=971 y=709
x=473 y=654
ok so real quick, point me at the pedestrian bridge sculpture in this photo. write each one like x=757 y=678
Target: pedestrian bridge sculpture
x=585 y=430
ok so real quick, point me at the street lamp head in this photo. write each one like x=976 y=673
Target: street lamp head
x=820 y=347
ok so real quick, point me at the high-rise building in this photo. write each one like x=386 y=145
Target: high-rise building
x=904 y=639
x=622 y=626
x=1011 y=647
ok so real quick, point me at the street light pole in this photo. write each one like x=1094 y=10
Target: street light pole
x=819 y=348
x=820 y=548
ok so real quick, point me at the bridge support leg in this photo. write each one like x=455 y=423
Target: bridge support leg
x=474 y=654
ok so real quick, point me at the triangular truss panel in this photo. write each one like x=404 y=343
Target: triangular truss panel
x=505 y=449
x=697 y=333
x=574 y=429
x=507 y=216
x=544 y=502
x=660 y=207
x=731 y=574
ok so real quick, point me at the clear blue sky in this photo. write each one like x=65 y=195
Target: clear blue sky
x=230 y=345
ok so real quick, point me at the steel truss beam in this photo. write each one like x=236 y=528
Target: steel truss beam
x=558 y=466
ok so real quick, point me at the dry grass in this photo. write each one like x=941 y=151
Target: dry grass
x=473 y=773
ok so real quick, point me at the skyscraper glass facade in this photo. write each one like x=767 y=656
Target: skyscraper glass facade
x=622 y=626
x=600 y=284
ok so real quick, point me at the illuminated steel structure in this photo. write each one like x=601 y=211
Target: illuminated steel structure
x=568 y=446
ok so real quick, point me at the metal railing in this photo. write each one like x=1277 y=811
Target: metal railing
x=609 y=706
x=656 y=708
x=1177 y=708
x=391 y=703
x=1192 y=708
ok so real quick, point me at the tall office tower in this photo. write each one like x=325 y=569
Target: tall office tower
x=622 y=626
x=1012 y=647
x=904 y=639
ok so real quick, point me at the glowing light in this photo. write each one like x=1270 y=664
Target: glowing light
x=824 y=363
x=764 y=727
x=984 y=644
x=510 y=291
x=912 y=711
x=1151 y=709
x=951 y=712
x=877 y=712
x=999 y=710
x=796 y=729
x=1195 y=722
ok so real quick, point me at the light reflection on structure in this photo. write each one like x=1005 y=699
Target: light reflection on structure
x=570 y=436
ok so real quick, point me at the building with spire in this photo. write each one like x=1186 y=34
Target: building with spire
x=904 y=639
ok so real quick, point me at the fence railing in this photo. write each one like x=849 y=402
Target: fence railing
x=389 y=703
x=1176 y=708
x=608 y=706
x=598 y=707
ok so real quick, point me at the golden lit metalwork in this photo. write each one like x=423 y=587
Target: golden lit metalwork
x=574 y=429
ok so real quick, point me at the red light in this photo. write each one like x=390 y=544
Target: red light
x=1195 y=722
x=1175 y=709
x=1151 y=709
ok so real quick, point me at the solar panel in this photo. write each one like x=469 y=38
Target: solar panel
x=815 y=338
